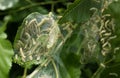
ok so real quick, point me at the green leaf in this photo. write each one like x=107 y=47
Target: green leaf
x=116 y=42
x=5 y=4
x=115 y=13
x=45 y=72
x=79 y=11
x=3 y=24
x=71 y=67
x=63 y=71
x=114 y=9
x=111 y=71
x=70 y=56
x=6 y=53
x=3 y=36
x=2 y=27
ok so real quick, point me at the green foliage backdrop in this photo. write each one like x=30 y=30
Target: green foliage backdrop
x=90 y=43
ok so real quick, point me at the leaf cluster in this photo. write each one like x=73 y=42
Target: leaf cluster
x=81 y=55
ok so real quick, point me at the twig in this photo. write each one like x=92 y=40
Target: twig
x=56 y=71
x=97 y=73
x=38 y=69
x=25 y=72
x=29 y=6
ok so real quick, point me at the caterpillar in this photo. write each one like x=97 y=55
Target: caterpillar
x=97 y=31
x=106 y=31
x=36 y=39
x=106 y=34
x=90 y=45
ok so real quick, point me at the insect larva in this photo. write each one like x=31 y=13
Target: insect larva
x=91 y=48
x=102 y=32
x=105 y=51
x=33 y=21
x=22 y=54
x=37 y=37
x=106 y=23
x=109 y=27
x=105 y=15
x=102 y=25
x=30 y=55
x=102 y=40
x=103 y=65
x=112 y=25
x=107 y=34
x=113 y=74
x=103 y=45
x=27 y=35
x=112 y=37
x=20 y=43
x=43 y=21
x=106 y=44
x=53 y=36
x=116 y=49
x=33 y=41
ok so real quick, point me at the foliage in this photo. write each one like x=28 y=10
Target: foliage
x=6 y=51
x=80 y=11
x=5 y=4
x=88 y=45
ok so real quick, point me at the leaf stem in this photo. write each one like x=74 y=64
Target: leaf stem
x=29 y=6
x=25 y=72
x=97 y=73
x=55 y=67
x=38 y=69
